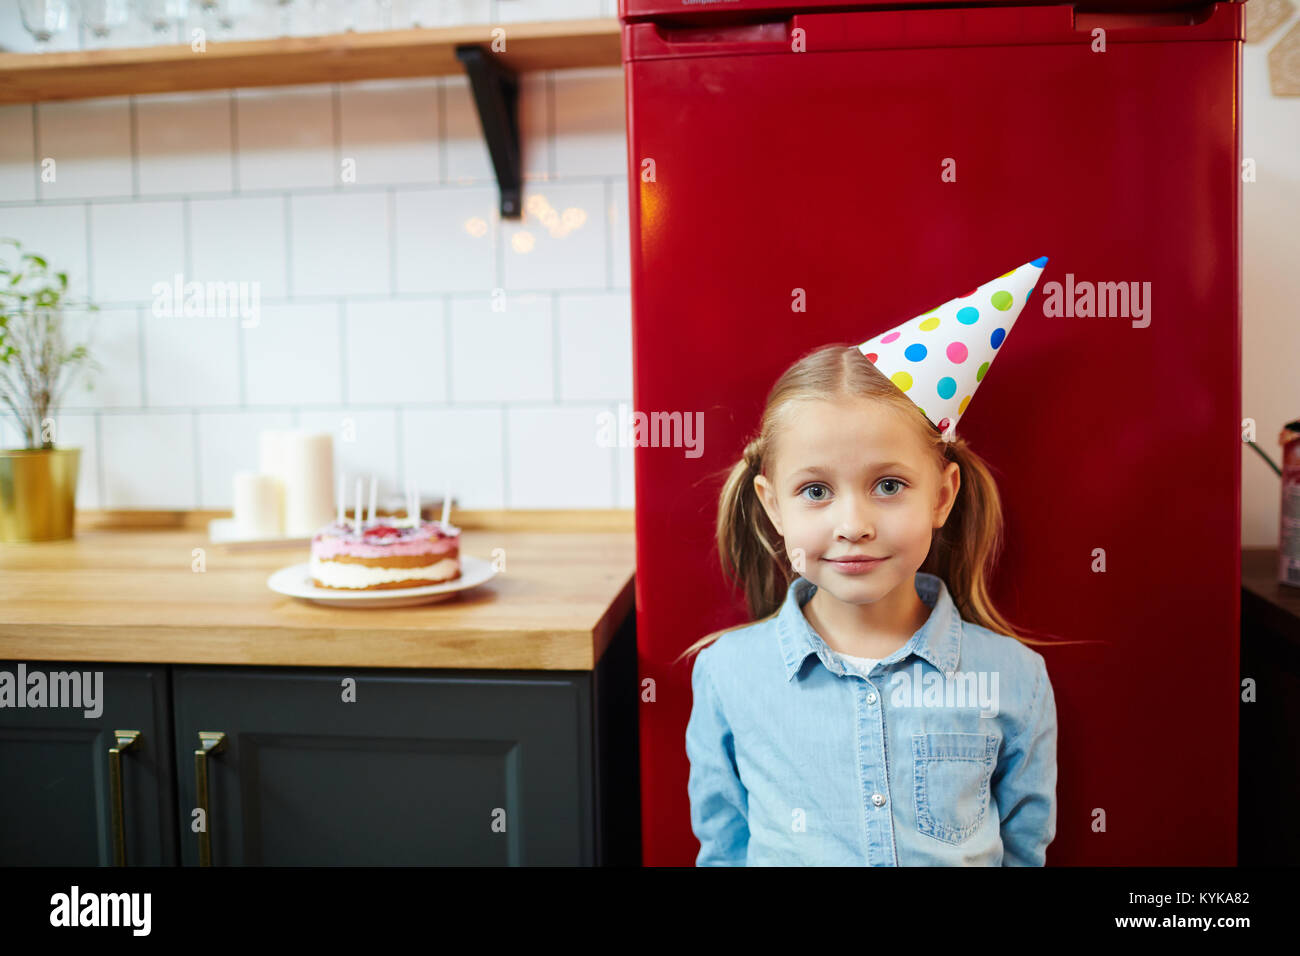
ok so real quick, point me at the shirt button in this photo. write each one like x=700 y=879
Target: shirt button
x=871 y=698
x=878 y=799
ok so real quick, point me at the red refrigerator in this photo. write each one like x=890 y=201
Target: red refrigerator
x=775 y=146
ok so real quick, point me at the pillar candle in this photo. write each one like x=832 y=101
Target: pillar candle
x=258 y=503
x=308 y=480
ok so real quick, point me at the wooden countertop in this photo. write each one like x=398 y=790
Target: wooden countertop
x=118 y=596
x=1271 y=601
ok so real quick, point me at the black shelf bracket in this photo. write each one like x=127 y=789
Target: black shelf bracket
x=496 y=93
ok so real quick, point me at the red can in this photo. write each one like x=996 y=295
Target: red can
x=1288 y=552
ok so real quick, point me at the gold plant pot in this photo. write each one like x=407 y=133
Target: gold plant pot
x=38 y=493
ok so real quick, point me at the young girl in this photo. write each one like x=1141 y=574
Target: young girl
x=876 y=712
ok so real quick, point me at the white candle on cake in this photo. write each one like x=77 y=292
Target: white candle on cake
x=356 y=525
x=342 y=496
x=446 y=504
x=308 y=476
x=373 y=490
x=257 y=505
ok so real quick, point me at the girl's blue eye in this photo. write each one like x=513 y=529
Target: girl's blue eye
x=893 y=481
x=807 y=487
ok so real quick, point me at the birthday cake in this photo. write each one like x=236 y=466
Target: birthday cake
x=385 y=555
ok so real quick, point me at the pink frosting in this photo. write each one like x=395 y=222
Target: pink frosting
x=431 y=537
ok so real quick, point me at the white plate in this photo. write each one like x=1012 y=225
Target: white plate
x=295 y=581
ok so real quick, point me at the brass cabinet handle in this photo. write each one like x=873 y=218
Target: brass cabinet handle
x=210 y=741
x=125 y=740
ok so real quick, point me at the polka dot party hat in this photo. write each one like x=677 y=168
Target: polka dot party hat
x=940 y=357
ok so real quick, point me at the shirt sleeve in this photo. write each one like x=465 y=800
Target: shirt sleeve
x=719 y=801
x=1025 y=781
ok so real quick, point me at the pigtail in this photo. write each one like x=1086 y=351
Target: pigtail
x=750 y=549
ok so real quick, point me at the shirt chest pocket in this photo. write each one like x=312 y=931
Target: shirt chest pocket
x=951 y=773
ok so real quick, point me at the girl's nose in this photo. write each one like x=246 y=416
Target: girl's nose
x=854 y=519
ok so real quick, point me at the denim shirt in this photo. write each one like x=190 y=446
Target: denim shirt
x=944 y=755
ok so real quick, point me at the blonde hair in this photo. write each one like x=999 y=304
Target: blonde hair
x=753 y=553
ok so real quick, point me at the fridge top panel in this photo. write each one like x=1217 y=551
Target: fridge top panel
x=926 y=28
x=734 y=11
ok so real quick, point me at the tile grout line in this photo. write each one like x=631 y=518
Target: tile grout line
x=557 y=380
x=140 y=342
x=90 y=266
x=336 y=120
x=608 y=201
x=505 y=455
x=470 y=184
x=448 y=344
x=187 y=247
x=615 y=470
x=133 y=125
x=399 y=428
x=36 y=156
x=198 y=466
x=234 y=145
x=344 y=371
x=392 y=241
x=241 y=359
x=550 y=125
x=99 y=463
x=288 y=246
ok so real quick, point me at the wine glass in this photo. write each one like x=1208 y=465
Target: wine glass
x=44 y=20
x=230 y=12
x=286 y=15
x=102 y=17
x=164 y=15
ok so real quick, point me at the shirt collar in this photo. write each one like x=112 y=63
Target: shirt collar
x=938 y=641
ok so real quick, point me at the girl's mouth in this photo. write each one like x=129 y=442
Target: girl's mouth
x=854 y=565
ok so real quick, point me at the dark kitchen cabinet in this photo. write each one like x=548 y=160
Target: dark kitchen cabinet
x=56 y=802
x=421 y=768
x=445 y=769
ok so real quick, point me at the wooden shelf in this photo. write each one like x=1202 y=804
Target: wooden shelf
x=549 y=45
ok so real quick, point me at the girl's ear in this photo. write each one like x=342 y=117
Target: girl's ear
x=949 y=485
x=767 y=497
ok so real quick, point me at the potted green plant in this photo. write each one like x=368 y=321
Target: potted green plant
x=38 y=482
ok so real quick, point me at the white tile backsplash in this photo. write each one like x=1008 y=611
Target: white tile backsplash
x=292 y=355
x=185 y=143
x=590 y=137
x=457 y=445
x=555 y=459
x=189 y=361
x=17 y=149
x=445 y=239
x=375 y=297
x=466 y=151
x=285 y=137
x=396 y=352
x=595 y=346
x=339 y=244
x=84 y=148
x=55 y=232
x=560 y=242
x=502 y=356
x=365 y=443
x=389 y=131
x=148 y=461
x=137 y=246
x=112 y=337
x=240 y=239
